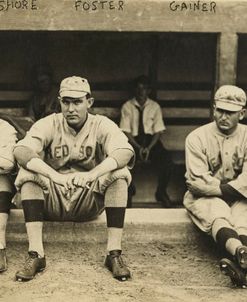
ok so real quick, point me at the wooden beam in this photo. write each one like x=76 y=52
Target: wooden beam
x=227 y=49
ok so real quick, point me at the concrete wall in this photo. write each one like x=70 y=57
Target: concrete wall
x=125 y=15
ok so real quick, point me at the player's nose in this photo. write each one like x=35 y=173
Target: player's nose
x=71 y=107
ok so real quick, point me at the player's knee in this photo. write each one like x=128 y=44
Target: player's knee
x=31 y=190
x=6 y=185
x=116 y=194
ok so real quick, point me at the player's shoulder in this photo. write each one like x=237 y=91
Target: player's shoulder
x=99 y=118
x=49 y=120
x=200 y=131
x=102 y=122
x=5 y=127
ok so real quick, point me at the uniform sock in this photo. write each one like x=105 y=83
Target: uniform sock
x=115 y=205
x=3 y=224
x=225 y=236
x=228 y=240
x=114 y=239
x=243 y=239
x=34 y=233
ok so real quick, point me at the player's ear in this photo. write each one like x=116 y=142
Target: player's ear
x=90 y=102
x=242 y=114
x=214 y=108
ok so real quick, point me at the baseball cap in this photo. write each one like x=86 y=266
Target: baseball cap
x=229 y=97
x=74 y=87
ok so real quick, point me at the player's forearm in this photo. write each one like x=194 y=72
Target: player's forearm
x=30 y=160
x=37 y=165
x=107 y=165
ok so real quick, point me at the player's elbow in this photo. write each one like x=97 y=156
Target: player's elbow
x=123 y=157
x=6 y=165
x=23 y=155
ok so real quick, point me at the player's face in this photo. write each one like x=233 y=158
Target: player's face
x=75 y=110
x=227 y=121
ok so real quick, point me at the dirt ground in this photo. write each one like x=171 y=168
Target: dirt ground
x=160 y=272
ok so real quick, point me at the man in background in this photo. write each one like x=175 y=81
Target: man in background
x=142 y=122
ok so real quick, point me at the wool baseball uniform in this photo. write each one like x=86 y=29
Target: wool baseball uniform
x=67 y=151
x=210 y=152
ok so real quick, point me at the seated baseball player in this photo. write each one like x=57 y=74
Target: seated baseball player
x=73 y=165
x=8 y=138
x=216 y=163
x=142 y=122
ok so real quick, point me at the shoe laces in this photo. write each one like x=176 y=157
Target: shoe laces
x=30 y=258
x=119 y=261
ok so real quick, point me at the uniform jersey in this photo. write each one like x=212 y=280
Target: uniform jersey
x=65 y=150
x=208 y=151
x=8 y=138
x=152 y=117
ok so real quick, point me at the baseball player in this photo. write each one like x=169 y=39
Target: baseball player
x=73 y=165
x=216 y=163
x=8 y=138
x=142 y=122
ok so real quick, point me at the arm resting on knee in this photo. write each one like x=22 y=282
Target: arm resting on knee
x=24 y=154
x=31 y=161
x=123 y=157
x=6 y=165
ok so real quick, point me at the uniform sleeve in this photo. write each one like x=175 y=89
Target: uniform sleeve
x=111 y=138
x=196 y=159
x=8 y=139
x=40 y=135
x=240 y=183
x=158 y=121
x=125 y=121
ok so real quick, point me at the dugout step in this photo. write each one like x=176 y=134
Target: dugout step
x=141 y=225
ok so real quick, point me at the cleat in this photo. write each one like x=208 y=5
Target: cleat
x=3 y=261
x=241 y=256
x=115 y=264
x=237 y=276
x=33 y=265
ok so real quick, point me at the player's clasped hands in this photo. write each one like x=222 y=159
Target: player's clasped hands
x=78 y=179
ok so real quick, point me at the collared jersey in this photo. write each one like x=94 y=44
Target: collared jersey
x=152 y=117
x=66 y=150
x=208 y=151
x=8 y=138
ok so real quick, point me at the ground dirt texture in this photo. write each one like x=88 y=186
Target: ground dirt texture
x=160 y=272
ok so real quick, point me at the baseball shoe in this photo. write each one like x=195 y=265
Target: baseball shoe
x=241 y=256
x=115 y=264
x=229 y=268
x=32 y=265
x=3 y=261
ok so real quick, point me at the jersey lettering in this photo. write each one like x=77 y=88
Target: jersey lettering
x=59 y=152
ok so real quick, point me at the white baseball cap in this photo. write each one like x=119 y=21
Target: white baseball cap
x=74 y=87
x=230 y=98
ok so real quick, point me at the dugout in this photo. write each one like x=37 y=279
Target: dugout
x=187 y=54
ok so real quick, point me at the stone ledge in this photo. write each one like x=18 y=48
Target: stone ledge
x=141 y=226
x=133 y=216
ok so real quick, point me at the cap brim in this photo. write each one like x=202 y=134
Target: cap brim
x=73 y=94
x=228 y=106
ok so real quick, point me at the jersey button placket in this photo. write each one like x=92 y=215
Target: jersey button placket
x=226 y=146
